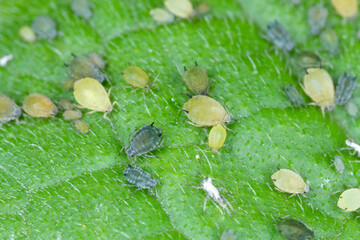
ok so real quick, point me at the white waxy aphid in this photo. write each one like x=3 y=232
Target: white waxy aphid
x=81 y=8
x=339 y=164
x=349 y=200
x=277 y=34
x=27 y=34
x=352 y=109
x=217 y=137
x=289 y=181
x=354 y=146
x=180 y=8
x=5 y=59
x=346 y=8
x=161 y=16
x=317 y=16
x=72 y=115
x=81 y=126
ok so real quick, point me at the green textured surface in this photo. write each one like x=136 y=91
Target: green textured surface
x=58 y=183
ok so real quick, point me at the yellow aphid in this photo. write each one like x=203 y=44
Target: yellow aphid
x=161 y=16
x=65 y=104
x=37 y=105
x=196 y=79
x=90 y=94
x=288 y=181
x=27 y=34
x=217 y=137
x=346 y=8
x=180 y=8
x=8 y=109
x=81 y=126
x=72 y=114
x=205 y=111
x=349 y=200
x=319 y=86
x=136 y=77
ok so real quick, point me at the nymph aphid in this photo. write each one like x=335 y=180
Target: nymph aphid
x=293 y=95
x=196 y=79
x=349 y=200
x=346 y=8
x=339 y=164
x=180 y=8
x=330 y=40
x=27 y=34
x=65 y=104
x=217 y=137
x=136 y=77
x=277 y=34
x=293 y=229
x=38 y=105
x=81 y=126
x=72 y=115
x=139 y=178
x=162 y=16
x=8 y=110
x=317 y=16
x=81 y=8
x=345 y=88
x=81 y=67
x=44 y=27
x=288 y=181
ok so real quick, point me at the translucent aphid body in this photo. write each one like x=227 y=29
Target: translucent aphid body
x=293 y=95
x=180 y=8
x=228 y=235
x=65 y=104
x=277 y=34
x=8 y=109
x=307 y=59
x=345 y=88
x=139 y=178
x=136 y=77
x=339 y=164
x=27 y=34
x=81 y=126
x=349 y=200
x=81 y=8
x=72 y=115
x=354 y=146
x=346 y=8
x=44 y=27
x=81 y=67
x=162 y=16
x=289 y=181
x=317 y=16
x=37 y=105
x=330 y=40
x=205 y=111
x=293 y=229
x=196 y=79
x=217 y=137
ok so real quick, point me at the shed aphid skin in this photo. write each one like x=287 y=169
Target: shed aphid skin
x=346 y=8
x=139 y=178
x=180 y=8
x=65 y=104
x=293 y=95
x=162 y=16
x=352 y=109
x=38 y=105
x=293 y=229
x=349 y=200
x=81 y=8
x=8 y=110
x=345 y=88
x=27 y=34
x=82 y=67
x=217 y=137
x=136 y=77
x=205 y=111
x=72 y=115
x=330 y=40
x=228 y=235
x=196 y=79
x=339 y=164
x=97 y=60
x=317 y=16
x=288 y=181
x=44 y=27
x=81 y=126
x=202 y=8
x=5 y=59
x=277 y=34
x=354 y=146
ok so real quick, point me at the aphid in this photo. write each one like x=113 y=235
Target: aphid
x=8 y=109
x=161 y=16
x=217 y=137
x=205 y=111
x=352 y=109
x=72 y=115
x=307 y=59
x=81 y=8
x=288 y=181
x=81 y=126
x=293 y=229
x=345 y=88
x=202 y=8
x=317 y=16
x=27 y=34
x=90 y=94
x=349 y=200
x=354 y=146
x=346 y=8
x=180 y=8
x=146 y=139
x=5 y=59
x=65 y=104
x=97 y=60
x=81 y=67
x=330 y=40
x=319 y=86
x=292 y=93
x=136 y=77
x=38 y=105
x=196 y=79
x=277 y=34
x=139 y=178
x=68 y=84
x=228 y=235
x=44 y=27
x=339 y=164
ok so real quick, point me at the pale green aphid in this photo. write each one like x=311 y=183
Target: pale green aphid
x=65 y=104
x=317 y=16
x=136 y=77
x=44 y=27
x=81 y=126
x=180 y=8
x=330 y=40
x=288 y=181
x=162 y=16
x=27 y=34
x=339 y=164
x=196 y=79
x=72 y=115
x=349 y=200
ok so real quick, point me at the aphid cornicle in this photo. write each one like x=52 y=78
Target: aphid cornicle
x=346 y=8
x=44 y=27
x=228 y=235
x=82 y=67
x=349 y=200
x=161 y=16
x=180 y=8
x=81 y=126
x=288 y=181
x=345 y=88
x=293 y=229
x=81 y=8
x=339 y=164
x=196 y=79
x=330 y=40
x=139 y=178
x=27 y=34
x=317 y=16
x=136 y=77
x=293 y=95
x=205 y=111
x=38 y=105
x=277 y=34
x=8 y=109
x=217 y=137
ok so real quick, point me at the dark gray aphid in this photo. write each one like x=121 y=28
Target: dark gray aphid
x=80 y=67
x=294 y=96
x=293 y=229
x=139 y=178
x=345 y=88
x=44 y=27
x=317 y=16
x=277 y=34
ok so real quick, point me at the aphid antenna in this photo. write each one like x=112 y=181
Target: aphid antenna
x=185 y=110
x=306 y=71
x=196 y=64
x=66 y=65
x=73 y=54
x=152 y=124
x=184 y=69
x=189 y=95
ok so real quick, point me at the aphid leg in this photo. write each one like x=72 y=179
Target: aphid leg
x=91 y=112
x=135 y=192
x=193 y=186
x=78 y=106
x=161 y=142
x=132 y=163
x=151 y=156
x=222 y=213
x=196 y=125
x=151 y=193
x=228 y=203
x=204 y=208
x=290 y=196
x=129 y=185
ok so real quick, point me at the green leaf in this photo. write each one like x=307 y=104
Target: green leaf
x=58 y=183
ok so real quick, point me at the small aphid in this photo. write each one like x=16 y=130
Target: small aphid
x=44 y=27
x=352 y=109
x=345 y=88
x=277 y=34
x=288 y=181
x=293 y=229
x=307 y=59
x=27 y=34
x=319 y=86
x=81 y=67
x=139 y=178
x=161 y=16
x=349 y=200
x=317 y=16
x=72 y=115
x=81 y=126
x=339 y=164
x=228 y=235
x=146 y=139
x=68 y=84
x=202 y=8
x=8 y=109
x=330 y=40
x=293 y=95
x=196 y=79
x=5 y=59
x=354 y=146
x=38 y=105
x=81 y=8
x=217 y=137
x=346 y=8
x=136 y=77
x=65 y=104
x=97 y=60
x=205 y=111
x=180 y=8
